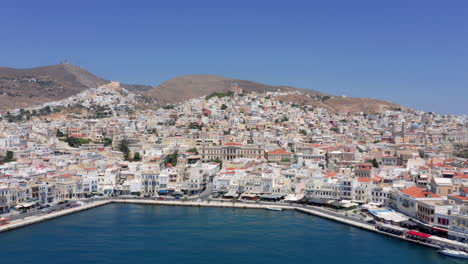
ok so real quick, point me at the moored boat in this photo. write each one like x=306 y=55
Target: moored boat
x=274 y=208
x=454 y=253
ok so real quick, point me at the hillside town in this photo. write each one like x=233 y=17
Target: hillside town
x=403 y=167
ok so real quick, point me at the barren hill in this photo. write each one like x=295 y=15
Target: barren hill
x=191 y=86
x=20 y=88
x=27 y=87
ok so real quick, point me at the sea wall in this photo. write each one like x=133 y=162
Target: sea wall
x=40 y=218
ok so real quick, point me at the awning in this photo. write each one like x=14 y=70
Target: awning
x=249 y=195
x=26 y=205
x=418 y=234
x=272 y=196
x=231 y=193
x=162 y=191
x=440 y=229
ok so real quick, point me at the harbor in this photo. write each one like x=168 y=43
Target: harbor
x=436 y=242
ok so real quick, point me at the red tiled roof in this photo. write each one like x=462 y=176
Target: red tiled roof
x=279 y=151
x=232 y=144
x=419 y=193
x=362 y=179
x=460 y=197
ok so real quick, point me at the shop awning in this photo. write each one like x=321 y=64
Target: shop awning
x=418 y=234
x=440 y=229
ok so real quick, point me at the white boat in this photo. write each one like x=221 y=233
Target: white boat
x=454 y=253
x=274 y=208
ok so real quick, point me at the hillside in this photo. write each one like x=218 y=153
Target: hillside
x=21 y=88
x=191 y=86
x=26 y=87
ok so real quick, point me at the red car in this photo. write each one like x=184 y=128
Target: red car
x=160 y=198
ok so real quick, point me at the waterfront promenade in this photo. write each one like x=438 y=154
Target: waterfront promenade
x=313 y=210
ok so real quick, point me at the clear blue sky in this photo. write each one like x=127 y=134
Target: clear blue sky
x=411 y=52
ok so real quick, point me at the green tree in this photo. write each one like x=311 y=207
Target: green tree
x=76 y=142
x=375 y=163
x=107 y=141
x=136 y=156
x=60 y=133
x=172 y=158
x=223 y=107
x=193 y=150
x=10 y=156
x=123 y=147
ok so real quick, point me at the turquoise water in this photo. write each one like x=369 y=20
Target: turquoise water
x=122 y=233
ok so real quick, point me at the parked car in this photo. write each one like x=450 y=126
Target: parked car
x=160 y=198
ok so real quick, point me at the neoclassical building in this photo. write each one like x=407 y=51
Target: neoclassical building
x=231 y=151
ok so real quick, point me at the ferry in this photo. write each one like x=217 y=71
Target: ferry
x=274 y=208
x=454 y=253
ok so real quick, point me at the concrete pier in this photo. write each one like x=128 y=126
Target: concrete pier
x=37 y=219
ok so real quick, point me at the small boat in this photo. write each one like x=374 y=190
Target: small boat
x=454 y=253
x=274 y=208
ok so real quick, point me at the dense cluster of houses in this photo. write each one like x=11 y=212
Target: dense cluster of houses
x=243 y=146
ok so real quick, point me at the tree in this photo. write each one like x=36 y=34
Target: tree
x=193 y=150
x=60 y=133
x=76 y=142
x=136 y=156
x=223 y=107
x=303 y=132
x=10 y=156
x=172 y=158
x=107 y=141
x=123 y=147
x=375 y=163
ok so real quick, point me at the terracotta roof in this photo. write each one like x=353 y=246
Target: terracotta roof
x=362 y=179
x=232 y=144
x=460 y=197
x=419 y=193
x=279 y=151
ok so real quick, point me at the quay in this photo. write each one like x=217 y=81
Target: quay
x=40 y=218
x=227 y=204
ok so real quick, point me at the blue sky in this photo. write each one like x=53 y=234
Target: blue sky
x=411 y=52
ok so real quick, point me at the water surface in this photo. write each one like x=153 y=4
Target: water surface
x=125 y=233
